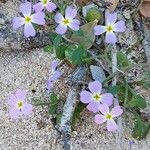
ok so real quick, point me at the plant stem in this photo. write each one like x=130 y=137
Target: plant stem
x=114 y=64
x=72 y=99
x=98 y=60
x=114 y=82
x=126 y=93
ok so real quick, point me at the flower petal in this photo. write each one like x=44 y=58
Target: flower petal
x=70 y=12
x=120 y=26
x=51 y=6
x=61 y=29
x=110 y=38
x=74 y=25
x=111 y=125
x=56 y=75
x=107 y=99
x=25 y=8
x=111 y=18
x=38 y=18
x=20 y=94
x=12 y=100
x=17 y=22
x=27 y=109
x=58 y=18
x=99 y=30
x=29 y=30
x=38 y=7
x=104 y=109
x=54 y=65
x=95 y=87
x=14 y=113
x=85 y=97
x=99 y=119
x=116 y=111
x=49 y=85
x=93 y=106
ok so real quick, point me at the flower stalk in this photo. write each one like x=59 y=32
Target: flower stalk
x=114 y=82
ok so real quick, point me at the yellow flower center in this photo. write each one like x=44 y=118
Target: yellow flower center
x=19 y=104
x=27 y=19
x=66 y=21
x=44 y=2
x=96 y=97
x=109 y=28
x=108 y=116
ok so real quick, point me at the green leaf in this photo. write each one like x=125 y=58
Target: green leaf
x=146 y=81
x=48 y=48
x=122 y=60
x=97 y=73
x=94 y=13
x=76 y=115
x=113 y=89
x=121 y=93
x=52 y=36
x=137 y=101
x=60 y=51
x=53 y=104
x=57 y=40
x=85 y=36
x=36 y=101
x=75 y=54
x=141 y=128
x=58 y=118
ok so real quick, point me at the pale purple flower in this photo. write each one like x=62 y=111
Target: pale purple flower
x=18 y=107
x=131 y=142
x=94 y=98
x=54 y=75
x=44 y=4
x=28 y=19
x=108 y=116
x=67 y=21
x=110 y=27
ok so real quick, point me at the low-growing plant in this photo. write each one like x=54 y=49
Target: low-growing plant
x=74 y=39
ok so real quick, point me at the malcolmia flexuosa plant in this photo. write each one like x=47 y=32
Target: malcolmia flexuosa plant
x=71 y=44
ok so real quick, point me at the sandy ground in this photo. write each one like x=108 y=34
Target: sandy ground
x=29 y=70
x=26 y=70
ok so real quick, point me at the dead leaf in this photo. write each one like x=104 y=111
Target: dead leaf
x=85 y=36
x=82 y=2
x=145 y=8
x=113 y=5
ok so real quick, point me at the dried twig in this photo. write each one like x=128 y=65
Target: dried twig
x=70 y=104
x=146 y=43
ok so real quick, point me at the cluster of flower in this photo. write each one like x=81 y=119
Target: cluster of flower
x=39 y=18
x=18 y=107
x=98 y=102
x=64 y=22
